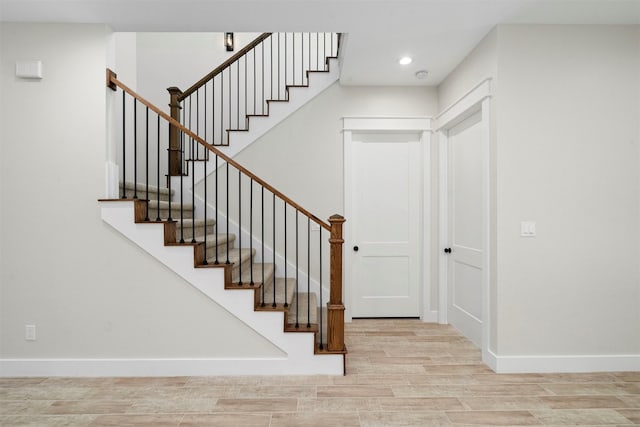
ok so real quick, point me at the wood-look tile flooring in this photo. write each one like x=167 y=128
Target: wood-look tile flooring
x=400 y=373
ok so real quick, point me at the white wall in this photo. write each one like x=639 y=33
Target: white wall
x=179 y=59
x=90 y=292
x=564 y=153
x=308 y=145
x=568 y=158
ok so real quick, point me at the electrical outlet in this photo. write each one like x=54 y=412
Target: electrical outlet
x=30 y=332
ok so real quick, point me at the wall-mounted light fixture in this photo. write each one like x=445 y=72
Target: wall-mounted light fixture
x=228 y=41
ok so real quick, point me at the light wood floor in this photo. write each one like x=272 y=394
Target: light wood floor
x=400 y=373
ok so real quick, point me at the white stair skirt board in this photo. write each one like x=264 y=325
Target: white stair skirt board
x=299 y=358
x=563 y=363
x=278 y=111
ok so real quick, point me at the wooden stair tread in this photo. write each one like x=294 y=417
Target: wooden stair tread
x=302 y=327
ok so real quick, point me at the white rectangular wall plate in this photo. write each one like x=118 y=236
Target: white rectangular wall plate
x=528 y=229
x=29 y=69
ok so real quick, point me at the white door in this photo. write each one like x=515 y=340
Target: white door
x=464 y=272
x=386 y=208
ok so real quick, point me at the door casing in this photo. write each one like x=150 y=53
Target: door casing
x=477 y=100
x=369 y=125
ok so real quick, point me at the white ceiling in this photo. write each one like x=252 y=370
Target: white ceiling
x=438 y=34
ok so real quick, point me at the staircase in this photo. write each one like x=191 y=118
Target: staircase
x=244 y=268
x=237 y=239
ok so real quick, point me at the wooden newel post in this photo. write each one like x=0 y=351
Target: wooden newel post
x=335 y=308
x=175 y=152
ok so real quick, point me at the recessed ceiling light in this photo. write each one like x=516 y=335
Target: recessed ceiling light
x=422 y=74
x=405 y=60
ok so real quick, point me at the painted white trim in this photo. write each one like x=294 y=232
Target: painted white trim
x=398 y=124
x=347 y=270
x=486 y=224
x=430 y=316
x=149 y=367
x=464 y=106
x=443 y=214
x=386 y=124
x=426 y=312
x=565 y=363
x=475 y=100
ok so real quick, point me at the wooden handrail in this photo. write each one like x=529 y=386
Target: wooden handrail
x=223 y=66
x=112 y=82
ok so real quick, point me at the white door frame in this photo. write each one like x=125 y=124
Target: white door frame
x=415 y=125
x=476 y=100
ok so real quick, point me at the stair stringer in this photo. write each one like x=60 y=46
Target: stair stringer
x=299 y=358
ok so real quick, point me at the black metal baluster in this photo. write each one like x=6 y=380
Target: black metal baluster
x=284 y=86
x=135 y=148
x=279 y=66
x=227 y=211
x=238 y=88
x=320 y=275
x=169 y=170
x=263 y=101
x=230 y=118
x=302 y=62
x=297 y=274
x=308 y=272
x=216 y=202
x=124 y=147
x=158 y=170
x=274 y=249
x=240 y=224
x=271 y=64
x=197 y=146
x=193 y=165
x=286 y=301
x=193 y=189
x=251 y=227
x=221 y=110
x=205 y=151
x=193 y=199
x=146 y=217
x=213 y=111
x=182 y=145
x=246 y=108
x=262 y=240
x=181 y=206
x=191 y=156
x=255 y=90
x=205 y=212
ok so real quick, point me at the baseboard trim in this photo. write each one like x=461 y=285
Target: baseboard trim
x=430 y=316
x=150 y=367
x=568 y=363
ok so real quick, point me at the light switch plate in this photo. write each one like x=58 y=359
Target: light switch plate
x=29 y=69
x=528 y=228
